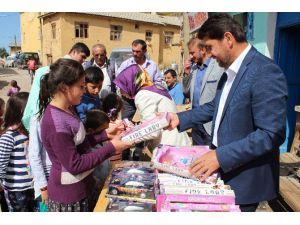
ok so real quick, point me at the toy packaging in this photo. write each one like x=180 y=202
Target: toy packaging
x=119 y=205
x=132 y=181
x=163 y=200
x=193 y=207
x=176 y=160
x=137 y=133
x=177 y=190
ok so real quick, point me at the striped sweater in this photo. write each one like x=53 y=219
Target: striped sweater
x=14 y=167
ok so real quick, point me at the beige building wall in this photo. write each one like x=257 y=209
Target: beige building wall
x=171 y=54
x=52 y=48
x=99 y=32
x=30 y=32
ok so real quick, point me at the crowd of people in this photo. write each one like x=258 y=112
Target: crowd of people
x=59 y=141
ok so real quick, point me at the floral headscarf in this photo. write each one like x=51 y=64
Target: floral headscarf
x=134 y=78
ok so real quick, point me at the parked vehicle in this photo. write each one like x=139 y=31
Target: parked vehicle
x=10 y=61
x=119 y=55
x=23 y=58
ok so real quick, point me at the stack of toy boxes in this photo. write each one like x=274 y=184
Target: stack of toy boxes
x=177 y=191
x=131 y=187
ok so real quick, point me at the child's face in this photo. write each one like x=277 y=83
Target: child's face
x=75 y=92
x=94 y=88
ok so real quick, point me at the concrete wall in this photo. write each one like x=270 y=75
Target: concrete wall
x=30 y=32
x=52 y=48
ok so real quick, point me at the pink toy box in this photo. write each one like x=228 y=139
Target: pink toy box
x=176 y=160
x=194 y=207
x=137 y=133
x=162 y=200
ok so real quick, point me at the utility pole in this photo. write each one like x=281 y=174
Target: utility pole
x=185 y=39
x=186 y=35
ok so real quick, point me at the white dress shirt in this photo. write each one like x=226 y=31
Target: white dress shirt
x=231 y=74
x=106 y=86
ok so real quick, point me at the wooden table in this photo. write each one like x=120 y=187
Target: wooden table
x=102 y=200
x=289 y=188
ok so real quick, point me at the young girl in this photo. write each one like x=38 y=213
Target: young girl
x=97 y=121
x=15 y=173
x=14 y=88
x=113 y=105
x=71 y=184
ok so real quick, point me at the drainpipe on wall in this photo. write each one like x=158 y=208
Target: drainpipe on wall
x=41 y=38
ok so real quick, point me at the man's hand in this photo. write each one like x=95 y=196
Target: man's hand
x=174 y=121
x=187 y=66
x=205 y=166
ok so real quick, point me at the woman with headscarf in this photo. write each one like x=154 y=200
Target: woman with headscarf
x=149 y=98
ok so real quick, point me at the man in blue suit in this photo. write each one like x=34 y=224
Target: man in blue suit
x=248 y=115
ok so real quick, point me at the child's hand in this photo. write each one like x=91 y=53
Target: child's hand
x=44 y=195
x=120 y=145
x=114 y=129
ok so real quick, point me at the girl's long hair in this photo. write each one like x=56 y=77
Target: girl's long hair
x=15 y=107
x=63 y=71
x=112 y=105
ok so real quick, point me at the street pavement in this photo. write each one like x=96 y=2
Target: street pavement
x=9 y=74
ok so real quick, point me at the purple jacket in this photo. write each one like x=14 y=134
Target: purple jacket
x=13 y=90
x=59 y=131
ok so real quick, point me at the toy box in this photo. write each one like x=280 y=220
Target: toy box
x=132 y=181
x=176 y=160
x=163 y=200
x=137 y=133
x=119 y=205
x=194 y=207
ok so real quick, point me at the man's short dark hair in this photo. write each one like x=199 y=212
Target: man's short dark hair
x=93 y=75
x=81 y=47
x=215 y=27
x=140 y=42
x=172 y=72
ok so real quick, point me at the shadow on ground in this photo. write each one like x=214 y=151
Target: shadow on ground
x=4 y=71
x=3 y=83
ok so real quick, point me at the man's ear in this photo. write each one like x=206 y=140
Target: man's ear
x=229 y=38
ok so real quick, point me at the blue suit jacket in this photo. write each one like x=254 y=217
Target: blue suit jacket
x=251 y=130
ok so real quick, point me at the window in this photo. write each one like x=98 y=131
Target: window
x=148 y=35
x=136 y=26
x=169 y=38
x=115 y=32
x=81 y=30
x=53 y=29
